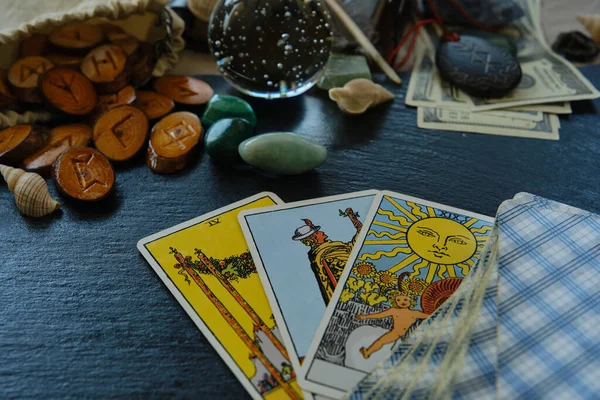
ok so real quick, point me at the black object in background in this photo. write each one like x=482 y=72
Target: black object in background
x=576 y=46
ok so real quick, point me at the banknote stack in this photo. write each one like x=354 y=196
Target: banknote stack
x=548 y=85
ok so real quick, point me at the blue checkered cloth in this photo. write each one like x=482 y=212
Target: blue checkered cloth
x=527 y=319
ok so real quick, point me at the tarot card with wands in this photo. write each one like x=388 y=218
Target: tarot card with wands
x=206 y=265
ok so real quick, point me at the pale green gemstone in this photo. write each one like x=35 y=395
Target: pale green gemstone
x=282 y=153
x=342 y=68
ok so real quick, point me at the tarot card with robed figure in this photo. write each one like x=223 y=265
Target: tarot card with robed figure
x=300 y=250
x=409 y=258
x=206 y=265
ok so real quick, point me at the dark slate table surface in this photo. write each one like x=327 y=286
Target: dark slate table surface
x=82 y=315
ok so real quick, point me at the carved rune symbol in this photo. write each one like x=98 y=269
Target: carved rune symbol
x=27 y=71
x=483 y=57
x=118 y=129
x=65 y=85
x=184 y=89
x=107 y=60
x=82 y=164
x=214 y=222
x=178 y=133
x=112 y=99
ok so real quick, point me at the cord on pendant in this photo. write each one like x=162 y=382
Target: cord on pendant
x=449 y=35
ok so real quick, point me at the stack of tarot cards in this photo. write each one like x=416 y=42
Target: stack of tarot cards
x=319 y=298
x=523 y=324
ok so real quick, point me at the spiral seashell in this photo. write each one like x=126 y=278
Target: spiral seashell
x=31 y=192
x=592 y=25
x=359 y=95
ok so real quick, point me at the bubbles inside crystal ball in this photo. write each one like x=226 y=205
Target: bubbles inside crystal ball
x=272 y=48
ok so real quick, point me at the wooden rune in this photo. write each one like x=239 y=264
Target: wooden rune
x=19 y=141
x=172 y=142
x=106 y=66
x=23 y=77
x=84 y=174
x=104 y=63
x=176 y=134
x=109 y=101
x=153 y=104
x=61 y=138
x=121 y=132
x=184 y=89
x=76 y=37
x=69 y=91
x=128 y=43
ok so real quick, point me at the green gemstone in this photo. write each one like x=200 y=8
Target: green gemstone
x=342 y=68
x=223 y=106
x=223 y=138
x=282 y=153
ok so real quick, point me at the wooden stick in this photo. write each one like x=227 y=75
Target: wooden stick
x=362 y=40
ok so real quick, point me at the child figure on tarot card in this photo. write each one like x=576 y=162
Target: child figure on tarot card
x=402 y=316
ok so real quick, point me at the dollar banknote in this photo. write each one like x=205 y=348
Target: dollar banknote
x=532 y=15
x=428 y=89
x=563 y=107
x=547 y=77
x=466 y=121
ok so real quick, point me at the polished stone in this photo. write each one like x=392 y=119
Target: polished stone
x=224 y=106
x=282 y=153
x=342 y=68
x=576 y=46
x=478 y=67
x=223 y=138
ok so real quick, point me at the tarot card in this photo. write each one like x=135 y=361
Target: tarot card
x=206 y=265
x=410 y=257
x=300 y=250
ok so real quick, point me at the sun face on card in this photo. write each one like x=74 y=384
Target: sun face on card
x=441 y=240
x=428 y=239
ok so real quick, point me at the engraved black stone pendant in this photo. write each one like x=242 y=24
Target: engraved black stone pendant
x=478 y=67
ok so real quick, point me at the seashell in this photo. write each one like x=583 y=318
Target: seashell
x=31 y=192
x=359 y=95
x=592 y=25
x=437 y=293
